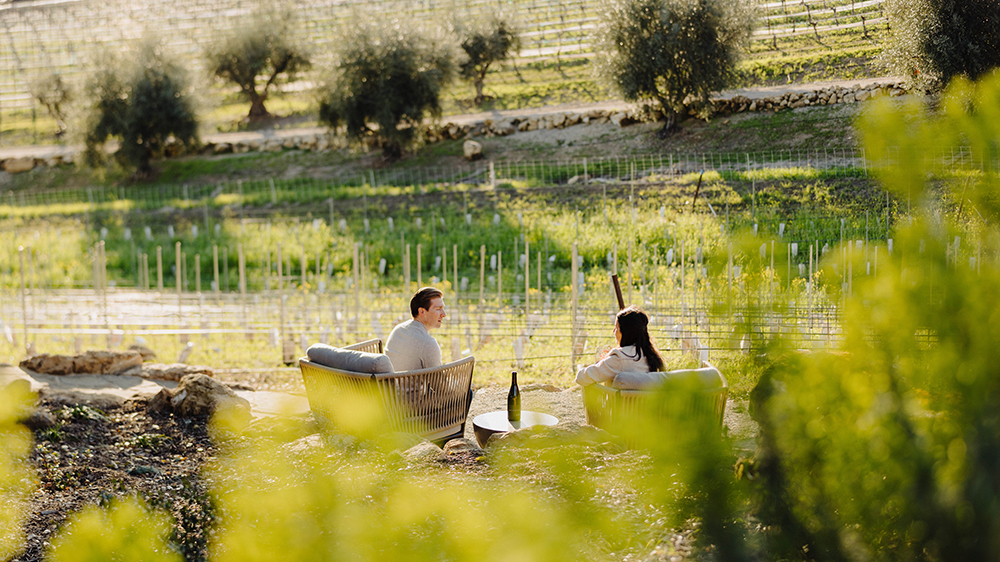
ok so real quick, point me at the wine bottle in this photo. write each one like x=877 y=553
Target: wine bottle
x=513 y=399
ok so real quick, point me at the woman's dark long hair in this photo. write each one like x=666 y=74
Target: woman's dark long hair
x=632 y=323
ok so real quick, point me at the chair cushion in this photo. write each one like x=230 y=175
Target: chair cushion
x=708 y=376
x=349 y=360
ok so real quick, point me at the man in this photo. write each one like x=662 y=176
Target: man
x=410 y=345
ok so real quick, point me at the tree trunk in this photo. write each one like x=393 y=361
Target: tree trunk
x=670 y=120
x=479 y=91
x=257 y=109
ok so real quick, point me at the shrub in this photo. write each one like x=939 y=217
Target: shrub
x=387 y=78
x=264 y=49
x=485 y=44
x=142 y=99
x=932 y=41
x=674 y=52
x=54 y=94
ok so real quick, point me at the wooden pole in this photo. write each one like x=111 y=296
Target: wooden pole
x=573 y=310
x=215 y=268
x=197 y=273
x=305 y=267
x=527 y=280
x=243 y=282
x=482 y=275
x=281 y=304
x=159 y=268
x=178 y=275
x=356 y=272
x=24 y=298
x=499 y=279
x=618 y=291
x=406 y=269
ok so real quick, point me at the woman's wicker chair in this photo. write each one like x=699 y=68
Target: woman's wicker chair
x=612 y=409
x=433 y=403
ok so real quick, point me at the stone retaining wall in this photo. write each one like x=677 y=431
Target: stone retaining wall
x=320 y=142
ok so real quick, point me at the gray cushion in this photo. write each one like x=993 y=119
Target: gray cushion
x=349 y=360
x=708 y=376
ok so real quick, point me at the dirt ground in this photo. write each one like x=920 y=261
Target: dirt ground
x=91 y=456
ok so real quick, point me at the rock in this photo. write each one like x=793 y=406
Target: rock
x=422 y=452
x=577 y=179
x=861 y=96
x=53 y=161
x=172 y=371
x=199 y=395
x=146 y=353
x=19 y=165
x=39 y=419
x=273 y=145
x=100 y=401
x=222 y=148
x=238 y=385
x=619 y=119
x=473 y=150
x=849 y=98
x=90 y=363
x=504 y=128
x=462 y=445
x=753 y=106
x=305 y=444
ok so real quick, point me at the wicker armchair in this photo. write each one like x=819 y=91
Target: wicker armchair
x=433 y=403
x=609 y=408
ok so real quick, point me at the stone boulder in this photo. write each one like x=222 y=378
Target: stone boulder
x=473 y=150
x=425 y=451
x=98 y=362
x=199 y=395
x=462 y=445
x=19 y=165
x=146 y=353
x=172 y=371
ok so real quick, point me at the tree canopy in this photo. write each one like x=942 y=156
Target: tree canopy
x=141 y=98
x=485 y=44
x=676 y=52
x=386 y=79
x=932 y=41
x=264 y=50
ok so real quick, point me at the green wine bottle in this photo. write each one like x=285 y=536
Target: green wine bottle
x=513 y=399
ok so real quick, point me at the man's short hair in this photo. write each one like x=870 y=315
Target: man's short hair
x=422 y=299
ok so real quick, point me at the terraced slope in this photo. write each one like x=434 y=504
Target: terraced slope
x=808 y=39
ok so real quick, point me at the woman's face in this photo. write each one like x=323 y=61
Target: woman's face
x=618 y=334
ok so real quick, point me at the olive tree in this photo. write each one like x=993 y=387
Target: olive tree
x=142 y=99
x=674 y=52
x=485 y=44
x=262 y=51
x=387 y=77
x=54 y=94
x=932 y=41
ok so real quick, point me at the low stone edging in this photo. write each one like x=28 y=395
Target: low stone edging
x=321 y=142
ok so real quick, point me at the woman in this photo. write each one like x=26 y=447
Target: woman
x=634 y=352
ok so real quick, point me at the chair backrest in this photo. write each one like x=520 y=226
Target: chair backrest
x=433 y=403
x=607 y=408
